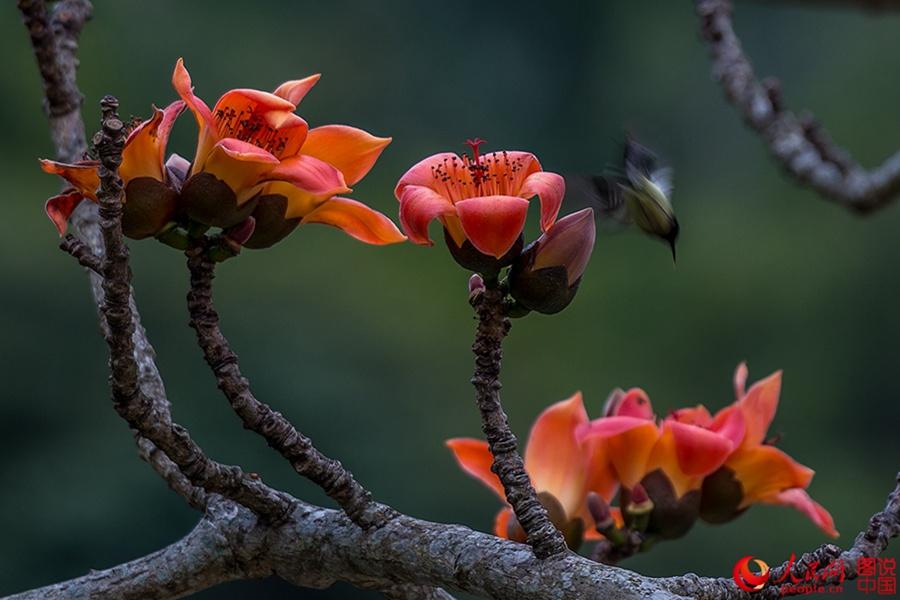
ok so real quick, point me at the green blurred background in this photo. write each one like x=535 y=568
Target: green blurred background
x=367 y=349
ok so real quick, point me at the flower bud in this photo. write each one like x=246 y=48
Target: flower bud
x=637 y=510
x=476 y=285
x=177 y=170
x=469 y=257
x=241 y=232
x=546 y=276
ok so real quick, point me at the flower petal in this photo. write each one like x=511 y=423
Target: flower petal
x=550 y=189
x=207 y=135
x=731 y=423
x=60 y=208
x=628 y=444
x=740 y=381
x=422 y=174
x=799 y=499
x=634 y=403
x=294 y=91
x=82 y=175
x=145 y=149
x=766 y=470
x=419 y=206
x=475 y=458
x=356 y=220
x=240 y=165
x=353 y=151
x=699 y=451
x=492 y=223
x=317 y=178
x=759 y=406
x=554 y=459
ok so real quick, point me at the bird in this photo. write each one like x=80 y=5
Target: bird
x=639 y=192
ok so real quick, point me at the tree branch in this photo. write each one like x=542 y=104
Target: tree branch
x=493 y=325
x=275 y=428
x=54 y=38
x=799 y=144
x=129 y=399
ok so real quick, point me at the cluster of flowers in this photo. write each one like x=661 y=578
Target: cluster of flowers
x=667 y=472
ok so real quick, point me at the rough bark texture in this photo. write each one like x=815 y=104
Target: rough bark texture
x=798 y=143
x=493 y=325
x=281 y=435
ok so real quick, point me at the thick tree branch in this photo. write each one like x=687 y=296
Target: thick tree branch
x=493 y=325
x=798 y=143
x=275 y=428
x=221 y=548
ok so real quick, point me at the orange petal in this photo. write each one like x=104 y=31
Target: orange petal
x=240 y=165
x=476 y=459
x=766 y=470
x=419 y=206
x=740 y=381
x=492 y=223
x=665 y=456
x=317 y=178
x=422 y=174
x=82 y=175
x=251 y=101
x=207 y=135
x=550 y=189
x=59 y=208
x=356 y=220
x=799 y=499
x=501 y=523
x=353 y=151
x=694 y=415
x=145 y=148
x=294 y=91
x=629 y=442
x=699 y=451
x=759 y=406
x=554 y=459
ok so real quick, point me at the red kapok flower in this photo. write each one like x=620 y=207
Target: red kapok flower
x=482 y=199
x=151 y=189
x=669 y=460
x=256 y=157
x=562 y=471
x=756 y=471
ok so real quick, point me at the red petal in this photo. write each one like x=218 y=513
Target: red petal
x=759 y=406
x=421 y=174
x=492 y=223
x=699 y=451
x=419 y=206
x=60 y=208
x=799 y=499
x=628 y=441
x=550 y=189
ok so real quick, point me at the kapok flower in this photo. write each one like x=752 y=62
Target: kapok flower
x=151 y=189
x=479 y=199
x=669 y=460
x=545 y=277
x=255 y=157
x=562 y=471
x=756 y=471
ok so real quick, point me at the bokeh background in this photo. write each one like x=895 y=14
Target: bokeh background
x=367 y=349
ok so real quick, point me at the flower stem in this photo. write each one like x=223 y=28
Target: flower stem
x=493 y=325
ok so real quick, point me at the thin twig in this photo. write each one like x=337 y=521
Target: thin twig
x=493 y=325
x=799 y=144
x=129 y=400
x=259 y=417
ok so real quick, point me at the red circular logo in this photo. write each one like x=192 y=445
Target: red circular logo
x=746 y=579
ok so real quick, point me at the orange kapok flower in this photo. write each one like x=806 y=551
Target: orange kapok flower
x=668 y=460
x=151 y=187
x=756 y=471
x=562 y=470
x=256 y=157
x=481 y=200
